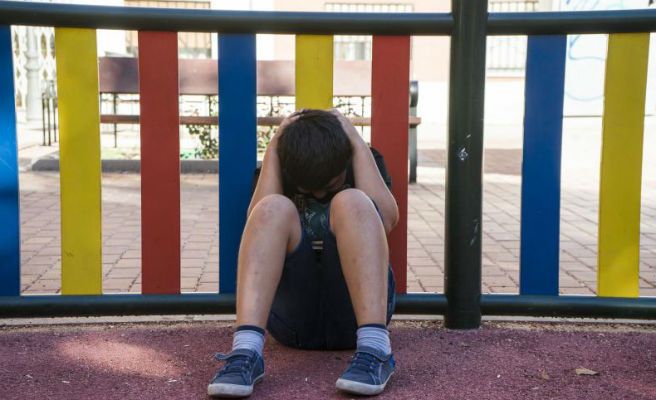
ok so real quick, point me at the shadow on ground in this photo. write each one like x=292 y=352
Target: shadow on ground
x=174 y=361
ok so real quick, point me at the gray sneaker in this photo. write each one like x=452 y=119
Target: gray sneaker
x=368 y=373
x=242 y=370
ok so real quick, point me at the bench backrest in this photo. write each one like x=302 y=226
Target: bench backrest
x=200 y=77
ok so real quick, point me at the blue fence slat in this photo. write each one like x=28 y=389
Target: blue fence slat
x=9 y=217
x=543 y=123
x=237 y=147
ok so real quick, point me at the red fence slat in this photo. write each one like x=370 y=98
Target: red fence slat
x=160 y=162
x=390 y=77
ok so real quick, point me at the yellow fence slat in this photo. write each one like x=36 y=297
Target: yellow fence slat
x=621 y=165
x=314 y=71
x=79 y=122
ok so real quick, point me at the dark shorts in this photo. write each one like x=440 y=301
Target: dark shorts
x=312 y=308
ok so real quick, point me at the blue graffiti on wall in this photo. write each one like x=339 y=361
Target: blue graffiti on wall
x=583 y=50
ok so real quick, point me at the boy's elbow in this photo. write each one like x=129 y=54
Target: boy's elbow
x=392 y=220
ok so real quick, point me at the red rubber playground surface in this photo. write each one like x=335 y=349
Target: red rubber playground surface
x=173 y=360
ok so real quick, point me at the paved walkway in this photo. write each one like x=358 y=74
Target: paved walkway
x=174 y=361
x=501 y=221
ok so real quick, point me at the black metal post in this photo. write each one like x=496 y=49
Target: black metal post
x=49 y=124
x=115 y=111
x=412 y=133
x=462 y=253
x=43 y=117
x=54 y=116
x=412 y=142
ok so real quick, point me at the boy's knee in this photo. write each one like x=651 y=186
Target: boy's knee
x=351 y=206
x=273 y=207
x=350 y=197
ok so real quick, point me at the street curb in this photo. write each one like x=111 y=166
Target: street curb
x=186 y=166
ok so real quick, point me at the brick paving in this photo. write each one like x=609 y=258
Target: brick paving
x=40 y=222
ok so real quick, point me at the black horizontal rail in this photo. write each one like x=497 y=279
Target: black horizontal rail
x=138 y=18
x=203 y=20
x=560 y=23
x=28 y=306
x=569 y=306
x=35 y=306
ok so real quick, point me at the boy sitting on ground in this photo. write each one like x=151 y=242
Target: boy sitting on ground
x=313 y=263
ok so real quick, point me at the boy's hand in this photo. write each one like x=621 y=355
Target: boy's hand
x=351 y=131
x=285 y=122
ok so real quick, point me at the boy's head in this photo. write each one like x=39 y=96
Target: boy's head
x=314 y=150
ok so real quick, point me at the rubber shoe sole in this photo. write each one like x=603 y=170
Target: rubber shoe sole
x=360 y=388
x=229 y=390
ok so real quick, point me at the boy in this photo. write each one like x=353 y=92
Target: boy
x=313 y=263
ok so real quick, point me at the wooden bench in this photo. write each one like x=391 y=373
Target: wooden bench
x=119 y=76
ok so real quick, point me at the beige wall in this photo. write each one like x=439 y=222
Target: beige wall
x=430 y=55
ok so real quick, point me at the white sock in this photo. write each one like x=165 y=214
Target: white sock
x=251 y=339
x=375 y=336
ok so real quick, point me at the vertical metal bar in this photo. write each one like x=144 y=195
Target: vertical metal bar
x=390 y=76
x=543 y=130
x=49 y=124
x=9 y=203
x=412 y=133
x=464 y=184
x=412 y=141
x=54 y=116
x=160 y=162
x=43 y=118
x=114 y=111
x=237 y=147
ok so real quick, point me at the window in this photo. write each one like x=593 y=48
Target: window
x=506 y=55
x=190 y=44
x=358 y=47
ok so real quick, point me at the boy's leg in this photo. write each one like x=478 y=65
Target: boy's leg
x=363 y=254
x=272 y=230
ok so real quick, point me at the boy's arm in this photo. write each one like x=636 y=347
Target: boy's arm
x=367 y=176
x=270 y=179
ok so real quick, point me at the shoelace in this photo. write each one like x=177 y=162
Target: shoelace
x=235 y=363
x=365 y=362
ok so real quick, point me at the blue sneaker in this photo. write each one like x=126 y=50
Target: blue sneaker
x=368 y=373
x=243 y=369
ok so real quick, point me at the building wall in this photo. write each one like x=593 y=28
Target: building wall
x=429 y=59
x=430 y=55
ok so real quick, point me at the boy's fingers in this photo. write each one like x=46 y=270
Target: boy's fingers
x=288 y=120
x=342 y=119
x=292 y=118
x=335 y=112
x=295 y=114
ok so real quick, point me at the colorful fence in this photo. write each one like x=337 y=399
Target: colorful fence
x=80 y=153
x=77 y=84
x=621 y=166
